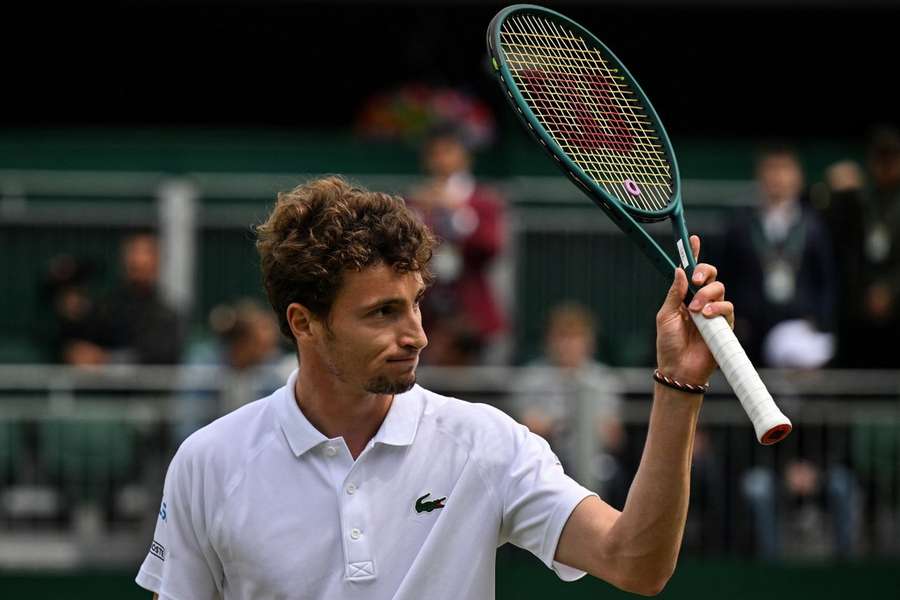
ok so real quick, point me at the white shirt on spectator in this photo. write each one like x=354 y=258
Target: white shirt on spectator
x=260 y=504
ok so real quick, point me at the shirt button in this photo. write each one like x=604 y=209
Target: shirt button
x=355 y=533
x=351 y=489
x=330 y=450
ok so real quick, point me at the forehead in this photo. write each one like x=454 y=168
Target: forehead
x=140 y=242
x=378 y=282
x=779 y=161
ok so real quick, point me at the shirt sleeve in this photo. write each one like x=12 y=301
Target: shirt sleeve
x=538 y=498
x=181 y=563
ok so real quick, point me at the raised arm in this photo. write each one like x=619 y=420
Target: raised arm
x=637 y=549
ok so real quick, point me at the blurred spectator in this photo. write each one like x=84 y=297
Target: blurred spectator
x=464 y=319
x=806 y=512
x=864 y=219
x=546 y=399
x=246 y=338
x=863 y=212
x=65 y=289
x=804 y=502
x=132 y=324
x=779 y=268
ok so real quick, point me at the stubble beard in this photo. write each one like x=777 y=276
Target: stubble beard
x=384 y=385
x=380 y=384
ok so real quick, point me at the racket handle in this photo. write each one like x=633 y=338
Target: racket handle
x=770 y=423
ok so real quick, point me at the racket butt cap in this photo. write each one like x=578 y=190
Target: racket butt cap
x=776 y=434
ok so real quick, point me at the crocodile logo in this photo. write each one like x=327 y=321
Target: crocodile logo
x=427 y=506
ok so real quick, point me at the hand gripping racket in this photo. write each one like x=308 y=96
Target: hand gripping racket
x=586 y=110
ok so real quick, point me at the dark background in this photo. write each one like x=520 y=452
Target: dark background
x=819 y=69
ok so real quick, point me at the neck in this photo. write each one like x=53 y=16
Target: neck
x=780 y=203
x=336 y=410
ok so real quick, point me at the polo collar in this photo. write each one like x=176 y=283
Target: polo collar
x=398 y=429
x=402 y=421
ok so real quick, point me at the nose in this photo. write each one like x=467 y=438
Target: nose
x=413 y=334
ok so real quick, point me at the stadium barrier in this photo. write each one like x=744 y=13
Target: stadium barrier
x=83 y=454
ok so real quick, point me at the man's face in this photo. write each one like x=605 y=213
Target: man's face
x=780 y=178
x=445 y=157
x=570 y=347
x=141 y=260
x=374 y=333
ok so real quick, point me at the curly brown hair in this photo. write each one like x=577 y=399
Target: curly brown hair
x=326 y=226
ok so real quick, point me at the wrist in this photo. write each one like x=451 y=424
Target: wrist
x=677 y=371
x=676 y=402
x=687 y=385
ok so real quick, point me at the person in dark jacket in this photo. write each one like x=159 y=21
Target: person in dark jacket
x=862 y=211
x=779 y=264
x=133 y=323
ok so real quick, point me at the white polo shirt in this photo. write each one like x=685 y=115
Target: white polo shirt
x=261 y=505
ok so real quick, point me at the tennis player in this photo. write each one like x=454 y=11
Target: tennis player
x=353 y=482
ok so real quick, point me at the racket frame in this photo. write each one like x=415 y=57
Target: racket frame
x=628 y=218
x=770 y=424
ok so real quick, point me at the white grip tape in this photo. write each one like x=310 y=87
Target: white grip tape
x=739 y=371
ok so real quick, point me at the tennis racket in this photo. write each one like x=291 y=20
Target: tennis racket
x=586 y=110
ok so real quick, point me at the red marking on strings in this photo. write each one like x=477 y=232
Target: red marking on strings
x=560 y=98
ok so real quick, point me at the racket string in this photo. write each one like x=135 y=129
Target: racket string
x=571 y=60
x=623 y=141
x=551 y=105
x=605 y=110
x=580 y=124
x=651 y=155
x=589 y=110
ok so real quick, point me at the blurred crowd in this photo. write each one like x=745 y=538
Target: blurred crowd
x=814 y=271
x=130 y=324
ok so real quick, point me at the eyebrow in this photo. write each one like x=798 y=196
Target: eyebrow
x=390 y=301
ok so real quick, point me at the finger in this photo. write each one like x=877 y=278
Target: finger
x=714 y=292
x=704 y=273
x=722 y=308
x=695 y=247
x=677 y=293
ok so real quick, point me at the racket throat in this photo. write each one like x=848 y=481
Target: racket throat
x=684 y=257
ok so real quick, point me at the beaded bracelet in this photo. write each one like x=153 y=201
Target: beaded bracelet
x=677 y=385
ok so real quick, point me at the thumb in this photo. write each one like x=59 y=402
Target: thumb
x=677 y=292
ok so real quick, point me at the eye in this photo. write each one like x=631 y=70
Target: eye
x=381 y=311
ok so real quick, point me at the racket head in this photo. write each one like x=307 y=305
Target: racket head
x=582 y=105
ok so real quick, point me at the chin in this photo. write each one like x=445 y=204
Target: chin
x=385 y=385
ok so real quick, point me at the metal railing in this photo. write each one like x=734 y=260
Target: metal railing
x=83 y=454
x=203 y=217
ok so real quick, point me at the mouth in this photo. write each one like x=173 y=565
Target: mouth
x=405 y=360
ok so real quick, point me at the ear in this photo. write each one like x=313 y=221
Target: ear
x=300 y=320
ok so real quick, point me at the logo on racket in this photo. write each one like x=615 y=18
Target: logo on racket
x=631 y=187
x=585 y=98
